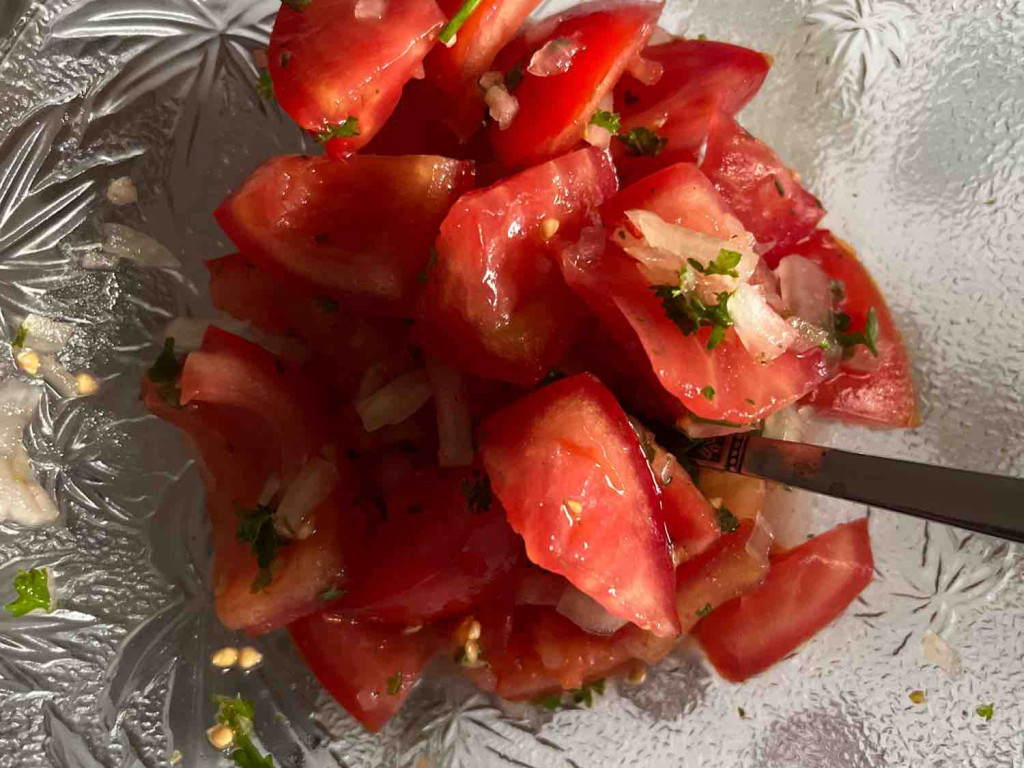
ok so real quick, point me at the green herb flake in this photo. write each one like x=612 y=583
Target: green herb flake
x=395 y=683
x=256 y=528
x=448 y=33
x=607 y=120
x=555 y=374
x=265 y=86
x=727 y=522
x=778 y=186
x=986 y=711
x=424 y=274
x=742 y=713
x=585 y=695
x=708 y=392
x=343 y=130
x=478 y=491
x=237 y=714
x=167 y=367
x=19 y=337
x=333 y=592
x=725 y=263
x=990 y=202
x=297 y=5
x=689 y=313
x=918 y=697
x=550 y=702
x=643 y=142
x=838 y=289
x=514 y=77
x=33 y=588
x=702 y=37
x=749 y=401
x=868 y=336
x=704 y=611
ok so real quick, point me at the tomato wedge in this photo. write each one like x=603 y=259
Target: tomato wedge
x=579 y=61
x=325 y=227
x=445 y=548
x=885 y=396
x=369 y=669
x=333 y=69
x=763 y=193
x=495 y=303
x=805 y=590
x=572 y=476
x=700 y=77
x=689 y=517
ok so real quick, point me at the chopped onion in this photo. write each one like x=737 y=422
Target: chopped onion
x=57 y=376
x=396 y=401
x=501 y=105
x=490 y=79
x=760 y=542
x=538 y=587
x=370 y=9
x=270 y=489
x=22 y=499
x=587 y=614
x=938 y=651
x=555 y=56
x=660 y=36
x=597 y=136
x=44 y=334
x=806 y=290
x=764 y=334
x=130 y=244
x=646 y=71
x=454 y=423
x=121 y=191
x=315 y=482
x=765 y=277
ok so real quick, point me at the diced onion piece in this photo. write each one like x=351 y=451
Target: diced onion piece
x=57 y=376
x=646 y=71
x=501 y=105
x=315 y=482
x=22 y=499
x=806 y=290
x=587 y=614
x=660 y=36
x=44 y=334
x=454 y=423
x=121 y=191
x=490 y=79
x=370 y=9
x=597 y=136
x=938 y=651
x=555 y=56
x=419 y=72
x=135 y=246
x=539 y=587
x=396 y=401
x=764 y=334
x=760 y=542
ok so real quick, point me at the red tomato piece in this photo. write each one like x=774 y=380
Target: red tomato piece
x=886 y=396
x=457 y=69
x=805 y=590
x=554 y=109
x=700 y=77
x=572 y=476
x=725 y=571
x=763 y=193
x=369 y=669
x=328 y=66
x=495 y=303
x=689 y=517
x=445 y=547
x=326 y=228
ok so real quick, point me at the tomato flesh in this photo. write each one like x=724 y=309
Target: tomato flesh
x=763 y=193
x=325 y=227
x=689 y=517
x=369 y=669
x=572 y=476
x=495 y=304
x=554 y=110
x=886 y=396
x=805 y=590
x=329 y=66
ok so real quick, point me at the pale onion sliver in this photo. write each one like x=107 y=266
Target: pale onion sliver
x=806 y=290
x=396 y=401
x=587 y=614
x=501 y=105
x=760 y=542
x=314 y=484
x=764 y=334
x=454 y=422
x=647 y=71
x=555 y=56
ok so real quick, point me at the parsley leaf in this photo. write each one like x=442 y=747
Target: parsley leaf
x=727 y=521
x=868 y=336
x=724 y=264
x=778 y=186
x=462 y=15
x=19 y=337
x=265 y=86
x=705 y=610
x=167 y=367
x=585 y=695
x=742 y=713
x=643 y=142
x=424 y=274
x=838 y=289
x=554 y=375
x=333 y=592
x=297 y=5
x=986 y=711
x=608 y=120
x=686 y=310
x=344 y=130
x=708 y=392
x=33 y=588
x=237 y=714
x=514 y=77
x=478 y=492
x=551 y=701
x=395 y=683
x=256 y=527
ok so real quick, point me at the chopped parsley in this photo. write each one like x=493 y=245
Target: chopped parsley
x=297 y=5
x=167 y=367
x=551 y=701
x=256 y=527
x=725 y=263
x=554 y=375
x=608 y=120
x=19 y=337
x=727 y=522
x=477 y=491
x=333 y=592
x=742 y=713
x=585 y=695
x=686 y=310
x=708 y=392
x=33 y=588
x=265 y=86
x=918 y=697
x=643 y=142
x=514 y=77
x=424 y=274
x=838 y=290
x=986 y=711
x=705 y=610
x=868 y=336
x=330 y=306
x=460 y=18
x=395 y=683
x=778 y=186
x=237 y=714
x=343 y=130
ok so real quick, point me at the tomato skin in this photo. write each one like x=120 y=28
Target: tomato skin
x=328 y=66
x=886 y=396
x=805 y=590
x=554 y=110
x=435 y=556
x=763 y=193
x=494 y=303
x=572 y=476
x=689 y=517
x=325 y=228
x=354 y=661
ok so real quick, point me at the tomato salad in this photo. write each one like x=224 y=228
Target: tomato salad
x=525 y=242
